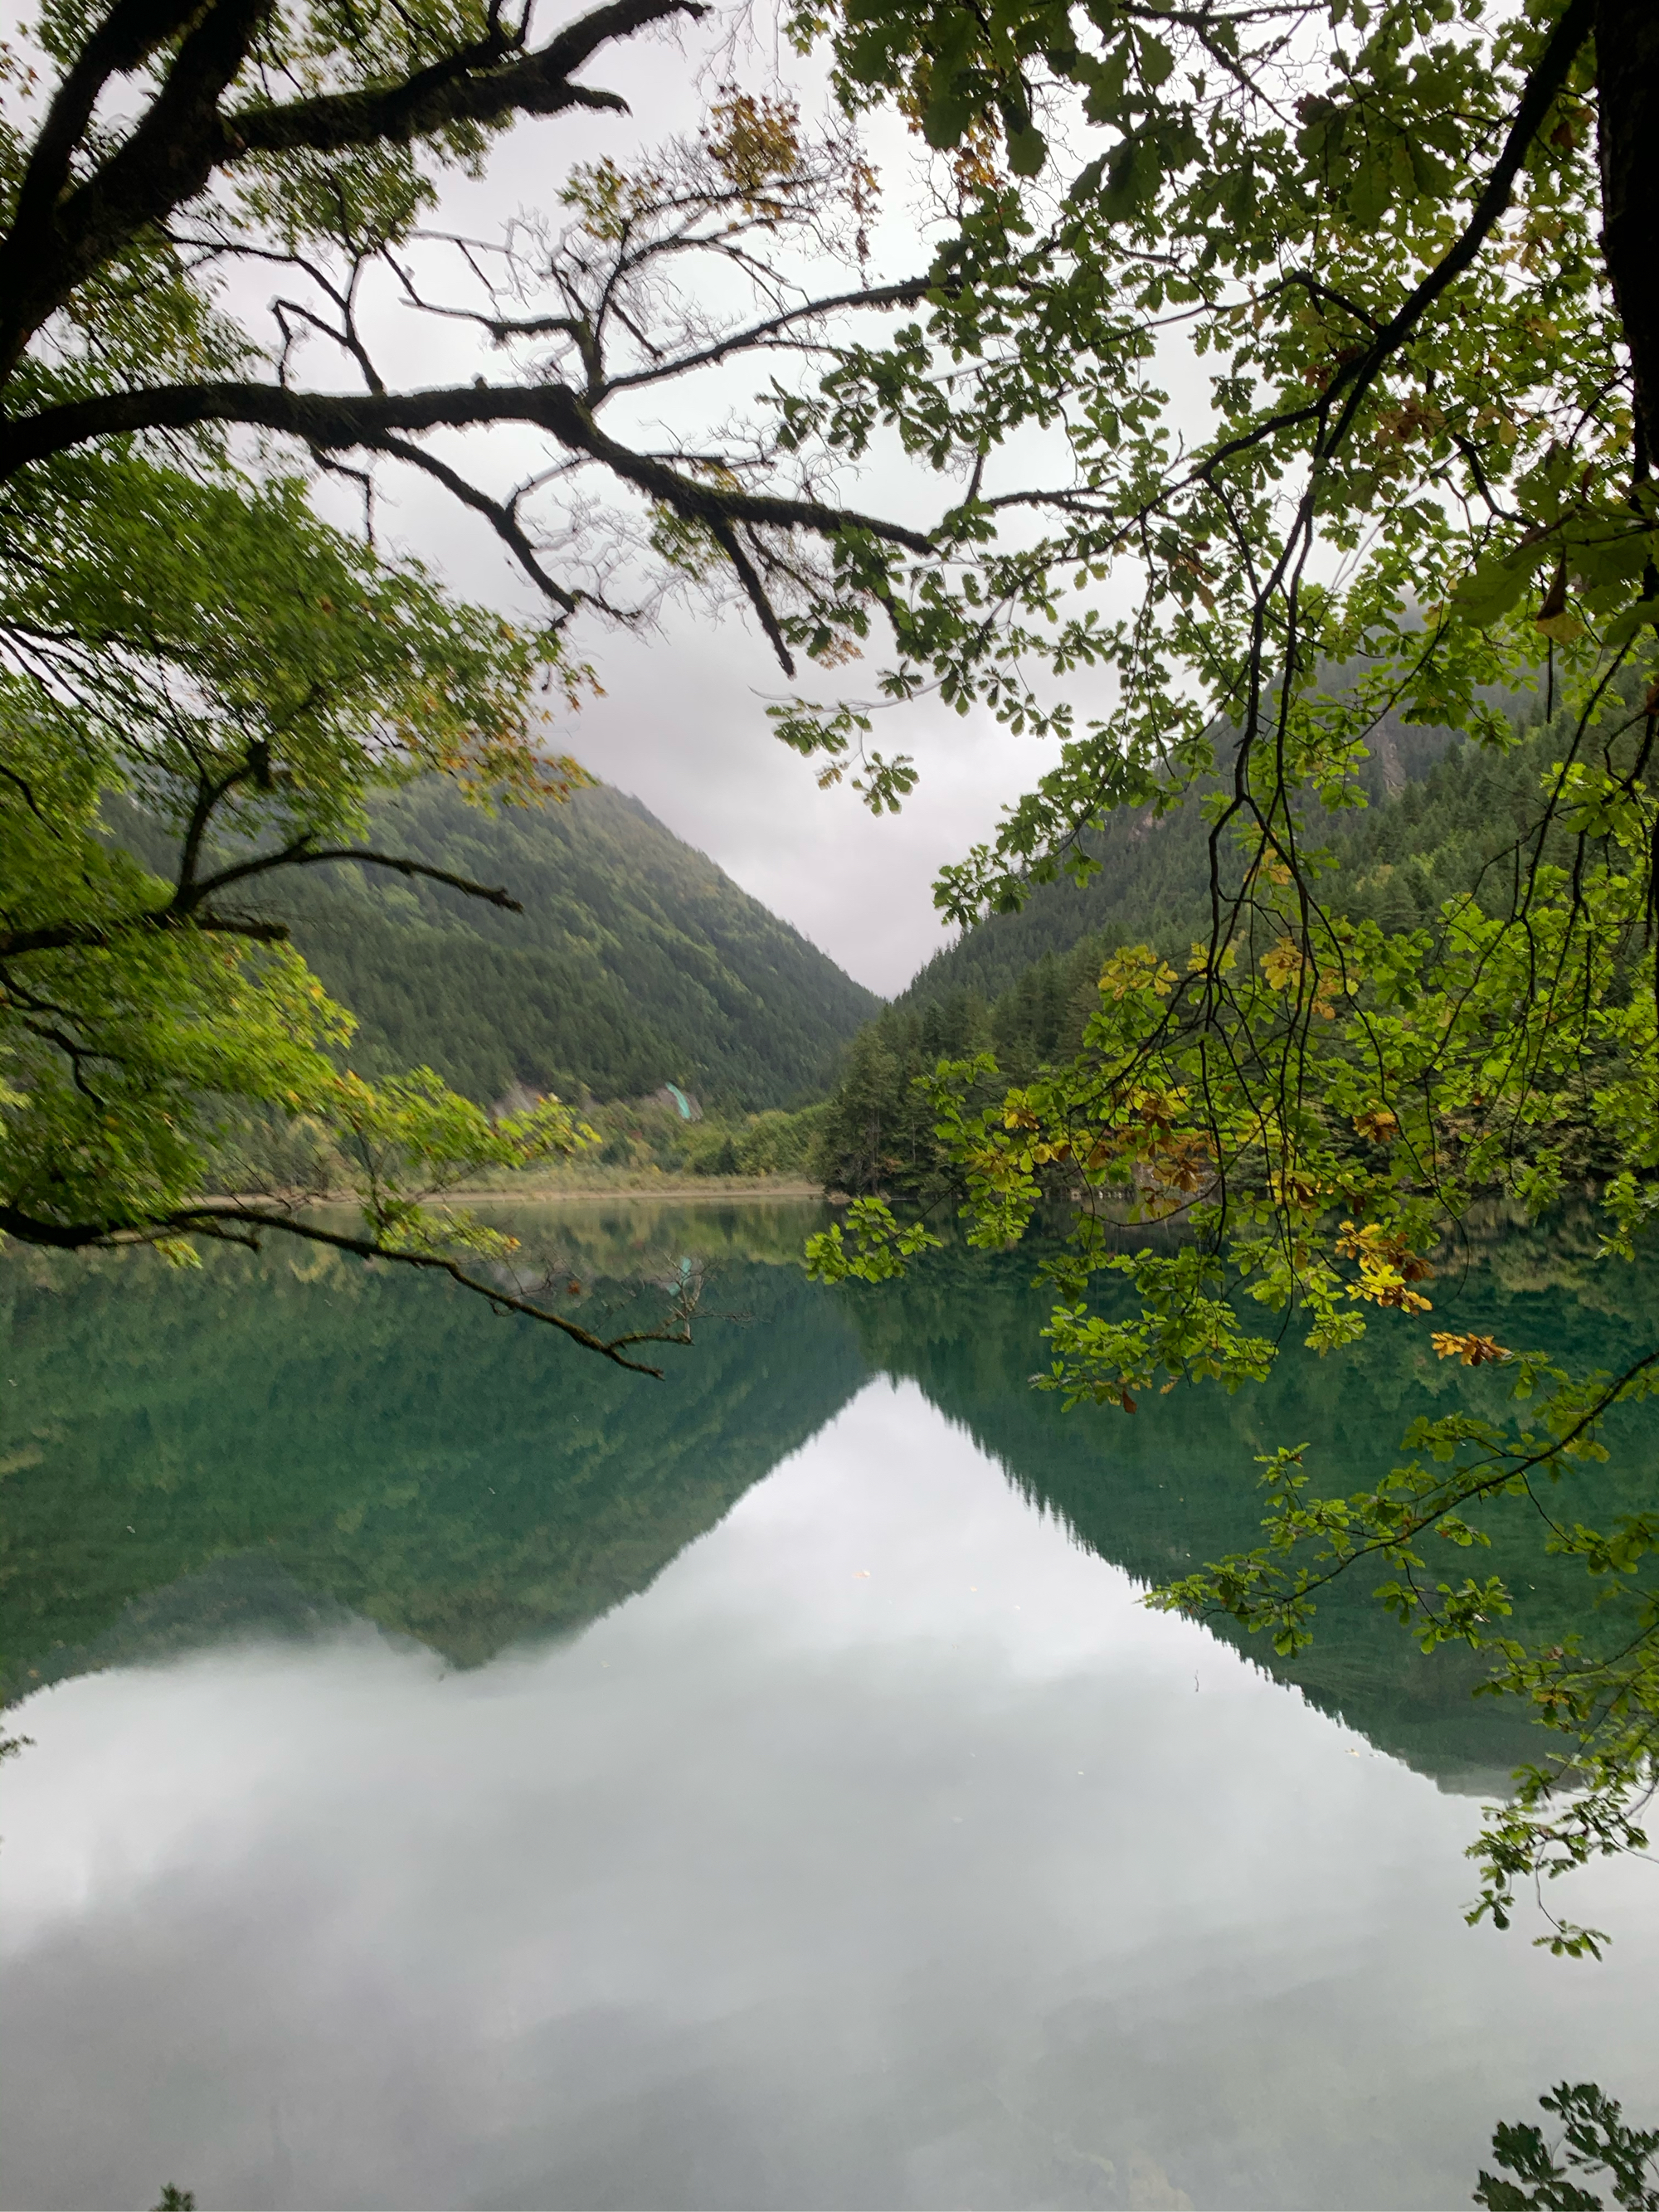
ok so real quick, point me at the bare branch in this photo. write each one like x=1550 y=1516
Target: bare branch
x=501 y=514
x=245 y=1224
x=59 y=237
x=907 y=294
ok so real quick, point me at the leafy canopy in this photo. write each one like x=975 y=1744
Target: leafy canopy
x=181 y=633
x=1400 y=245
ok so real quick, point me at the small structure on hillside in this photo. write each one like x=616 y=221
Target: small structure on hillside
x=682 y=1101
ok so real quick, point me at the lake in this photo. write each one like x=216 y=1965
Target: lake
x=466 y=1775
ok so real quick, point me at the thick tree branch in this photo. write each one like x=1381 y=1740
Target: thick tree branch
x=170 y=157
x=1627 y=82
x=336 y=421
x=727 y=538
x=131 y=29
x=480 y=88
x=186 y=909
x=304 y=855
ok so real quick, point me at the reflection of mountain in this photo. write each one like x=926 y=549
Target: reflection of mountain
x=186 y=1459
x=193 y=1456
x=1170 y=1484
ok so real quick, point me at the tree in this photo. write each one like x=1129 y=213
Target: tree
x=1409 y=241
x=180 y=630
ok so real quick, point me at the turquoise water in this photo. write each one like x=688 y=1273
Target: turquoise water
x=464 y=1775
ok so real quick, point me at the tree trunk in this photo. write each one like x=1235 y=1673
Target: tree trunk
x=1627 y=73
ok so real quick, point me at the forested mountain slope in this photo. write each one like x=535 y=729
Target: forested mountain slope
x=1150 y=889
x=635 y=962
x=1022 y=985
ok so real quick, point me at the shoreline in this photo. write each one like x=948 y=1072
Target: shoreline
x=707 y=1190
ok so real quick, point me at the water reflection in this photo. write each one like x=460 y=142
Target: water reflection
x=883 y=1852
x=276 y=1446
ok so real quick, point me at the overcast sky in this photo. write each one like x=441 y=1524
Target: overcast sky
x=682 y=724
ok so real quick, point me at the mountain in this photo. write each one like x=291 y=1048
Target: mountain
x=1152 y=887
x=1024 y=985
x=635 y=962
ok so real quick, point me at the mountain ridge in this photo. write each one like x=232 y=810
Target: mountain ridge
x=636 y=961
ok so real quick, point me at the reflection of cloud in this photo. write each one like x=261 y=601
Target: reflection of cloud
x=778 y=1887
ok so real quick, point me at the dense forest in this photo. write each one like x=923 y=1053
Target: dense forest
x=1147 y=890
x=635 y=962
x=1022 y=985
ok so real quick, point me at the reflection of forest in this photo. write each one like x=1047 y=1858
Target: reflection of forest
x=1171 y=1484
x=195 y=1455
x=273 y=1445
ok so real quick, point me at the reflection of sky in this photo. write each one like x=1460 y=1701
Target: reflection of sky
x=884 y=1852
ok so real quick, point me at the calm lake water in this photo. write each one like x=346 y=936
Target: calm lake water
x=464 y=1775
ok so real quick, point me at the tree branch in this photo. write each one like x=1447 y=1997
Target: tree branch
x=1356 y=377
x=904 y=295
x=454 y=90
x=1627 y=73
x=168 y=158
x=498 y=514
x=131 y=29
x=205 y=1220
x=185 y=908
x=727 y=538
x=304 y=855
x=59 y=237
x=1549 y=74
x=337 y=420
